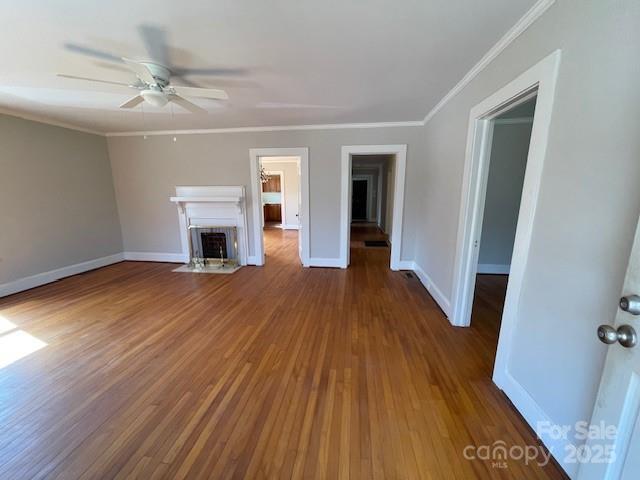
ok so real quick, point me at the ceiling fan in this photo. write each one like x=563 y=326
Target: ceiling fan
x=154 y=77
x=154 y=86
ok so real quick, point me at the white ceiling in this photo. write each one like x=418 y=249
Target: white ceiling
x=332 y=61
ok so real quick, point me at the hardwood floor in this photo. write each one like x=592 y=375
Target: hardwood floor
x=273 y=372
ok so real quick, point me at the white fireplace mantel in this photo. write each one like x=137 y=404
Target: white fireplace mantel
x=222 y=206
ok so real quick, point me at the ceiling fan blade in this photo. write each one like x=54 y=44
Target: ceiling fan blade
x=186 y=104
x=122 y=84
x=92 y=52
x=184 y=80
x=201 y=92
x=135 y=101
x=208 y=71
x=155 y=41
x=140 y=70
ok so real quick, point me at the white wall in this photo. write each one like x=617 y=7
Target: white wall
x=57 y=201
x=146 y=172
x=508 y=161
x=589 y=200
x=291 y=186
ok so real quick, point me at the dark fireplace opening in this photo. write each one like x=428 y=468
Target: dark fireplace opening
x=214 y=245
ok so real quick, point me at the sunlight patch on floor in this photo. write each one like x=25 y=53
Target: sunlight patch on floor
x=15 y=343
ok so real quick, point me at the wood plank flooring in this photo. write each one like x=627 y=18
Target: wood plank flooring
x=273 y=372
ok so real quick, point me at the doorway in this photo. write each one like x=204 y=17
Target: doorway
x=360 y=191
x=508 y=152
x=280 y=200
x=372 y=200
x=539 y=81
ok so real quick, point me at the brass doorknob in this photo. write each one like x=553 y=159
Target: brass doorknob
x=625 y=335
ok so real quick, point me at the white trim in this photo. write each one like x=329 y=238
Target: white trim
x=406 y=265
x=514 y=32
x=267 y=160
x=47 y=121
x=539 y=80
x=156 y=257
x=290 y=227
x=400 y=166
x=33 y=281
x=325 y=262
x=513 y=121
x=283 y=208
x=493 y=269
x=435 y=292
x=252 y=260
x=330 y=126
x=535 y=415
x=256 y=200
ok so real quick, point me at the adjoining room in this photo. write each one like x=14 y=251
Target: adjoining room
x=281 y=202
x=510 y=138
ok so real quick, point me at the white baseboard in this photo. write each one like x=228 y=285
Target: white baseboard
x=33 y=281
x=155 y=257
x=252 y=260
x=324 y=262
x=534 y=416
x=290 y=227
x=493 y=268
x=433 y=289
x=406 y=265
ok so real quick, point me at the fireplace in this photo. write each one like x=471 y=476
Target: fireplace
x=213 y=245
x=213 y=228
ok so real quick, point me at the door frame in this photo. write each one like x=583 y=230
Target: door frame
x=400 y=166
x=256 y=200
x=283 y=209
x=539 y=80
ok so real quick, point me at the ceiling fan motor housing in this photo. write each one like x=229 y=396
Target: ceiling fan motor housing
x=160 y=73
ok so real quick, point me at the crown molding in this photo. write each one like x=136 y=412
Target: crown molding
x=48 y=121
x=514 y=32
x=330 y=126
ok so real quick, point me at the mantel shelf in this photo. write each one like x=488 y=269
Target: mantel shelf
x=225 y=199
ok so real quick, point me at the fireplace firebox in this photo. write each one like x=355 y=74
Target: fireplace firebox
x=213 y=246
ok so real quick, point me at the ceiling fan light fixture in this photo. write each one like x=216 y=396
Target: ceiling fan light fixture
x=154 y=97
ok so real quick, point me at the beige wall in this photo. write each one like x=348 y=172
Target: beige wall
x=147 y=171
x=589 y=200
x=56 y=199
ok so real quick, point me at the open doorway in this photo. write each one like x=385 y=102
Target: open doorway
x=280 y=203
x=508 y=152
x=537 y=82
x=372 y=201
x=371 y=205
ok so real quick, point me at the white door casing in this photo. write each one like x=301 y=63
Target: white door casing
x=618 y=401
